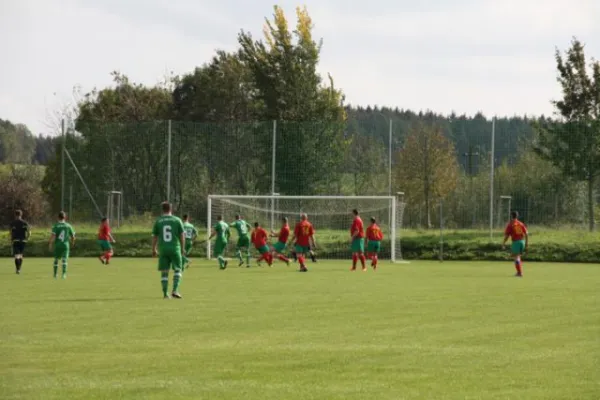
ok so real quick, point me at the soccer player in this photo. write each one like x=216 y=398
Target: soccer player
x=19 y=234
x=105 y=238
x=374 y=238
x=168 y=242
x=357 y=234
x=517 y=231
x=259 y=240
x=282 y=238
x=222 y=233
x=190 y=235
x=303 y=239
x=243 y=230
x=311 y=253
x=61 y=241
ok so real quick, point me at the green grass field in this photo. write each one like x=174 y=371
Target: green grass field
x=424 y=330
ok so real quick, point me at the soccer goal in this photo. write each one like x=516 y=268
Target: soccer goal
x=330 y=215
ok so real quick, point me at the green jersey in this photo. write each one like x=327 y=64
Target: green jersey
x=62 y=232
x=242 y=227
x=222 y=230
x=190 y=231
x=168 y=230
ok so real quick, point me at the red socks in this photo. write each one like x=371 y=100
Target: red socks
x=362 y=260
x=283 y=258
x=518 y=266
x=354 y=260
x=374 y=260
x=301 y=260
x=107 y=255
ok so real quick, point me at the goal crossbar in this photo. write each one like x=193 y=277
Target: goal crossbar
x=267 y=197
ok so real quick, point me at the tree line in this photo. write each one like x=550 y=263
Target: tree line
x=19 y=146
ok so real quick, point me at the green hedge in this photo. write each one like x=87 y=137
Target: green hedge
x=457 y=246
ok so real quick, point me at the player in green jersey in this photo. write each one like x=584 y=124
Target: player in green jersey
x=168 y=242
x=62 y=239
x=222 y=234
x=190 y=235
x=243 y=230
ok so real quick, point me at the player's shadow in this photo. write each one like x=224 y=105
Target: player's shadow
x=78 y=300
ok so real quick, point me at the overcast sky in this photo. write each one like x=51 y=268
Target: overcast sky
x=443 y=55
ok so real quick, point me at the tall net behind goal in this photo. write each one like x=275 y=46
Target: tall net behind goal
x=331 y=217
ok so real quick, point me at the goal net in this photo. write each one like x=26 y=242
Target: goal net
x=331 y=217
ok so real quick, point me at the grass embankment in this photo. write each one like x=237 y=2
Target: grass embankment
x=545 y=244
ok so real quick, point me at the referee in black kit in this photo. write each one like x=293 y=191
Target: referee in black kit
x=19 y=233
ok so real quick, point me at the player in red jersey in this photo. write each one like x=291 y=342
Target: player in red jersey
x=357 y=233
x=259 y=239
x=304 y=240
x=517 y=231
x=282 y=238
x=374 y=238
x=105 y=238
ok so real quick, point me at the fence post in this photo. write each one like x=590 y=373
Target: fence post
x=62 y=165
x=71 y=201
x=390 y=160
x=492 y=179
x=273 y=157
x=169 y=160
x=441 y=230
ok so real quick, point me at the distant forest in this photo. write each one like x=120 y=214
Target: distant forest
x=470 y=134
x=19 y=146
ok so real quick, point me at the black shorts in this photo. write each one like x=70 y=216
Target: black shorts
x=18 y=247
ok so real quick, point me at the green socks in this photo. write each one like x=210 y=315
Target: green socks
x=177 y=280
x=221 y=261
x=164 y=282
x=55 y=266
x=248 y=257
x=238 y=254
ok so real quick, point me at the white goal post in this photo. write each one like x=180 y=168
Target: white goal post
x=330 y=215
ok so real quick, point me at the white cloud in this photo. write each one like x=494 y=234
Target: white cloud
x=461 y=55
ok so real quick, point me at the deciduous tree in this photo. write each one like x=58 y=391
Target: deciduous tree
x=427 y=167
x=572 y=142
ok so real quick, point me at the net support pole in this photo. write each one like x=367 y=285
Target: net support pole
x=208 y=223
x=70 y=200
x=492 y=179
x=273 y=162
x=390 y=160
x=393 y=227
x=62 y=164
x=169 y=160
x=273 y=157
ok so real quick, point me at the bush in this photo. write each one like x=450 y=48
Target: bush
x=20 y=189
